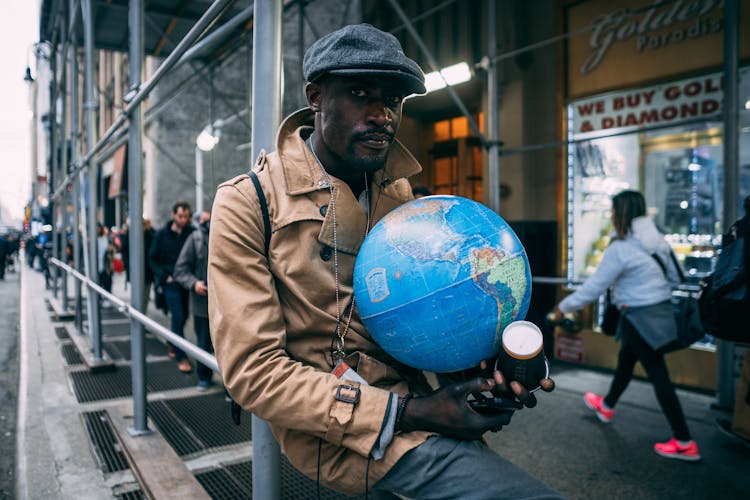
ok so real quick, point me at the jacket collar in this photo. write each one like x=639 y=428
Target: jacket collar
x=303 y=175
x=301 y=171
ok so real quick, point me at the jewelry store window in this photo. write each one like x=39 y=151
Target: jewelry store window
x=665 y=141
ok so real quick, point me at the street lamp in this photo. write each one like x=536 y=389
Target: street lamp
x=208 y=138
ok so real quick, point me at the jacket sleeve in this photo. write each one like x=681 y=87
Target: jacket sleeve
x=185 y=265
x=249 y=336
x=605 y=276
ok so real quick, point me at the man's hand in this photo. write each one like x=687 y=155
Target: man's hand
x=447 y=412
x=200 y=287
x=515 y=389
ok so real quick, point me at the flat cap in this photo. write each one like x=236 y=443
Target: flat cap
x=362 y=49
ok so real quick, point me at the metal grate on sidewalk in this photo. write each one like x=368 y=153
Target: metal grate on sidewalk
x=131 y=495
x=194 y=424
x=62 y=332
x=236 y=480
x=71 y=354
x=160 y=376
x=103 y=442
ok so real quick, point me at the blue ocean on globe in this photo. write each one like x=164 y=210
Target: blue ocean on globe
x=438 y=279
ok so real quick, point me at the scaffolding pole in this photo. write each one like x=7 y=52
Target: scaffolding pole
x=493 y=109
x=63 y=167
x=74 y=156
x=266 y=105
x=726 y=379
x=90 y=106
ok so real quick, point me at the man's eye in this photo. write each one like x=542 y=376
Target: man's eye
x=359 y=93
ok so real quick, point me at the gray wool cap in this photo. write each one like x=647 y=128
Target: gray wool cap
x=362 y=49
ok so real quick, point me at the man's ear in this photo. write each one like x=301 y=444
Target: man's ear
x=313 y=92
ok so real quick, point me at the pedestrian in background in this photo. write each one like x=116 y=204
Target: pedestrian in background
x=191 y=271
x=162 y=256
x=104 y=254
x=637 y=280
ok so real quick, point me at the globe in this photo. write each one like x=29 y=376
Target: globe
x=438 y=279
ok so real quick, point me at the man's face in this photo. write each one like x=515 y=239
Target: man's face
x=181 y=217
x=357 y=119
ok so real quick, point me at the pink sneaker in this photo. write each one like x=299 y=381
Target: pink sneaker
x=594 y=402
x=672 y=449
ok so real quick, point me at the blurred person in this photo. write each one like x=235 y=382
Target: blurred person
x=191 y=271
x=4 y=252
x=637 y=280
x=104 y=254
x=162 y=256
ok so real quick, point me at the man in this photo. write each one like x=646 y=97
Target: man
x=162 y=256
x=4 y=252
x=190 y=271
x=282 y=319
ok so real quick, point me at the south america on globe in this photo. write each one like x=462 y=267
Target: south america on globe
x=438 y=279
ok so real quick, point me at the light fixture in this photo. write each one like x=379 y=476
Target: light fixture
x=684 y=204
x=747 y=104
x=451 y=75
x=208 y=138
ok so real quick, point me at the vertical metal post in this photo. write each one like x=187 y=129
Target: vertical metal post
x=725 y=389
x=493 y=104
x=135 y=211
x=198 y=180
x=63 y=167
x=90 y=106
x=74 y=158
x=266 y=117
x=52 y=164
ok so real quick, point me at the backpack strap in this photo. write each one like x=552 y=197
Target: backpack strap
x=263 y=208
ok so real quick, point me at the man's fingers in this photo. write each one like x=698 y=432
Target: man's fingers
x=524 y=396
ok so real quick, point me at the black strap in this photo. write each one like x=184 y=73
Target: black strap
x=677 y=266
x=263 y=208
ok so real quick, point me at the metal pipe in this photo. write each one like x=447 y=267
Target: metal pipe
x=147 y=87
x=493 y=109
x=198 y=180
x=74 y=155
x=217 y=35
x=63 y=165
x=90 y=105
x=424 y=15
x=52 y=165
x=434 y=66
x=135 y=229
x=726 y=380
x=194 y=351
x=266 y=117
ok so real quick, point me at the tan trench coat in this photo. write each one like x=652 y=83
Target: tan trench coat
x=272 y=319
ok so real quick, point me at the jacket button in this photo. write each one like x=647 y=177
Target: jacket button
x=325 y=253
x=324 y=210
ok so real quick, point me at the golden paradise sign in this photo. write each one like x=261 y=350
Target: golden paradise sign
x=625 y=42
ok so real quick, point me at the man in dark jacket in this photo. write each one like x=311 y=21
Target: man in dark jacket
x=162 y=257
x=191 y=271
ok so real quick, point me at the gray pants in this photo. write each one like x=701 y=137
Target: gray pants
x=444 y=468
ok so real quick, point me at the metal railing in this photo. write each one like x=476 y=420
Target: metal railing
x=149 y=324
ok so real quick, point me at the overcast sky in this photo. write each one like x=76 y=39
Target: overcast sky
x=19 y=29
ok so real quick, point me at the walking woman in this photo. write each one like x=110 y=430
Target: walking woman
x=629 y=266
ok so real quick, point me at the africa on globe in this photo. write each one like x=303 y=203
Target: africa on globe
x=438 y=279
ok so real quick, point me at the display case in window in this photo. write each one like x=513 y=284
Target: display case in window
x=665 y=141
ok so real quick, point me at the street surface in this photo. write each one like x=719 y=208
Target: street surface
x=10 y=292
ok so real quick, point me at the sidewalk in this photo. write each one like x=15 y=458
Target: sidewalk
x=559 y=441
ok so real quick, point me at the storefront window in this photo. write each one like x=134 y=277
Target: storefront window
x=625 y=140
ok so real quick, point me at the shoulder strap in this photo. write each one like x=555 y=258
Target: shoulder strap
x=263 y=208
x=676 y=264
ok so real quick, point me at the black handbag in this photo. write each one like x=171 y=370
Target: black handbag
x=685 y=305
x=611 y=316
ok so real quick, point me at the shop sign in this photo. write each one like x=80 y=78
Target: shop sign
x=569 y=348
x=652 y=29
x=615 y=44
x=658 y=105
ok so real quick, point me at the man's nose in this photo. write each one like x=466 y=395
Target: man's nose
x=378 y=113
